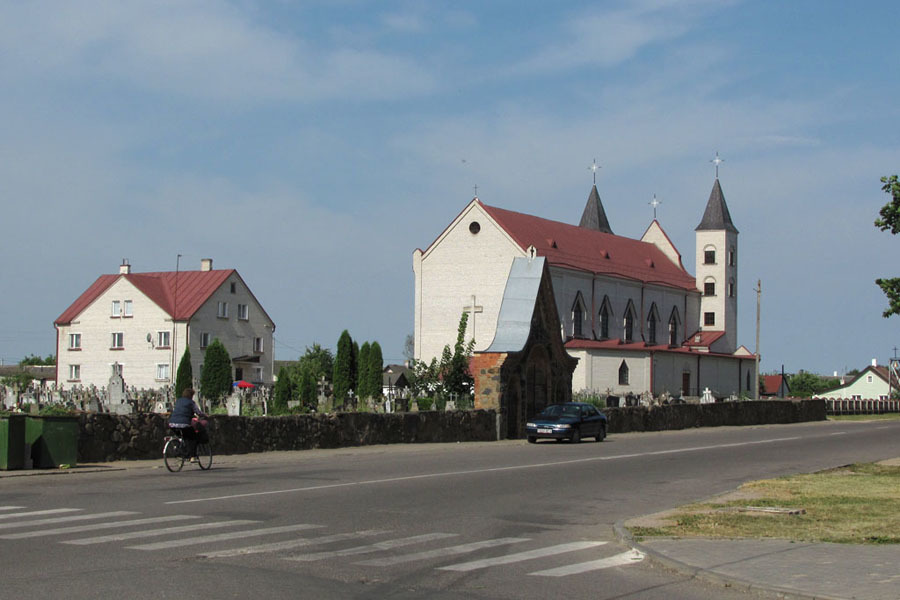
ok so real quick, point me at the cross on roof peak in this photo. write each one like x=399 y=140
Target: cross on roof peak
x=717 y=161
x=594 y=168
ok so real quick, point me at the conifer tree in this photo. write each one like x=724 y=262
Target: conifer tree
x=362 y=372
x=343 y=369
x=308 y=391
x=184 y=377
x=215 y=382
x=375 y=370
x=282 y=392
x=354 y=366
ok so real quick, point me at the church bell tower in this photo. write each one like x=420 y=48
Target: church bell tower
x=717 y=274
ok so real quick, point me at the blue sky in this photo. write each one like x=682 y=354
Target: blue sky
x=314 y=145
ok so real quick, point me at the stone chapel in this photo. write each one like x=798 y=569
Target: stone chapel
x=556 y=308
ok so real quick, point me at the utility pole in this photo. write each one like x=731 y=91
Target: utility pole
x=758 y=298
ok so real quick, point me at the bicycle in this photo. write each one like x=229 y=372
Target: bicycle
x=175 y=453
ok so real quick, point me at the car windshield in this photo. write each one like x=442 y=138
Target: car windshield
x=561 y=410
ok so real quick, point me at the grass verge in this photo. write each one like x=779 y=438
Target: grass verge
x=856 y=504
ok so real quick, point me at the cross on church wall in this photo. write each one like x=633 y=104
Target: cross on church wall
x=472 y=309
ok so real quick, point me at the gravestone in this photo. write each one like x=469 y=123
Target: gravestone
x=160 y=407
x=450 y=405
x=115 y=391
x=707 y=397
x=91 y=405
x=233 y=405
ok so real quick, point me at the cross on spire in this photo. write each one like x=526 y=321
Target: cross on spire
x=594 y=168
x=654 y=203
x=717 y=161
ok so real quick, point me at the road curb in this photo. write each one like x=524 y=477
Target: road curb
x=707 y=575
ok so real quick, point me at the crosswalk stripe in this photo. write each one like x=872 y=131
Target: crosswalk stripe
x=231 y=535
x=514 y=558
x=625 y=558
x=94 y=527
x=35 y=513
x=298 y=543
x=439 y=552
x=386 y=545
x=52 y=520
x=157 y=532
x=11 y=507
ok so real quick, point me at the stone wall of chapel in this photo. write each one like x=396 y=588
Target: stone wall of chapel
x=458 y=265
x=236 y=334
x=138 y=357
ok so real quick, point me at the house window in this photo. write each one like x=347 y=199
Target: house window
x=731 y=288
x=243 y=312
x=651 y=327
x=577 y=319
x=74 y=372
x=116 y=309
x=604 y=322
x=709 y=288
x=163 y=339
x=623 y=374
x=74 y=341
x=868 y=379
x=162 y=372
x=629 y=325
x=709 y=257
x=204 y=340
x=222 y=310
x=118 y=341
x=257 y=344
x=233 y=287
x=257 y=374
x=709 y=318
x=129 y=308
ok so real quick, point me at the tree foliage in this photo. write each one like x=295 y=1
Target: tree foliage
x=215 y=382
x=308 y=391
x=889 y=219
x=19 y=380
x=375 y=370
x=449 y=376
x=343 y=369
x=184 y=377
x=805 y=385
x=33 y=360
x=318 y=361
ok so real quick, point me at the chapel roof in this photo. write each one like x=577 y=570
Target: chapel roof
x=593 y=251
x=716 y=217
x=594 y=217
x=194 y=289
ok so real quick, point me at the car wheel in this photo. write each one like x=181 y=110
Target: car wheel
x=576 y=436
x=601 y=433
x=532 y=439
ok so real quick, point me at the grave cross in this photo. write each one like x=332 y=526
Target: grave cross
x=472 y=309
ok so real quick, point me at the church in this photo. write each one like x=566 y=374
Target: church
x=556 y=308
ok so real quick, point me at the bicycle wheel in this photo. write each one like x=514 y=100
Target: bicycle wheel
x=204 y=456
x=173 y=455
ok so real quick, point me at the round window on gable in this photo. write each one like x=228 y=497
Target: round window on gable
x=474 y=227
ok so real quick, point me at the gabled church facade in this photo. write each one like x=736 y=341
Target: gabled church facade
x=630 y=313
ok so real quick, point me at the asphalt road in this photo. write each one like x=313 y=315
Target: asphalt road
x=486 y=520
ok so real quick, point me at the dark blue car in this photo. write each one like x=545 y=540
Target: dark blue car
x=570 y=421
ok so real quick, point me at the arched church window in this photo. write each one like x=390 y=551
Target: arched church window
x=623 y=374
x=732 y=256
x=709 y=287
x=628 y=333
x=605 y=316
x=709 y=255
x=673 y=328
x=731 y=288
x=652 y=320
x=577 y=318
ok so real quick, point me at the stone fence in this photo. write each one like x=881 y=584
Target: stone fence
x=107 y=437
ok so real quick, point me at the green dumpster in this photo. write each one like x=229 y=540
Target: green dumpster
x=12 y=442
x=53 y=440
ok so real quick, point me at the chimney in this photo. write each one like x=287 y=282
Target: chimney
x=874 y=362
x=206 y=264
x=125 y=268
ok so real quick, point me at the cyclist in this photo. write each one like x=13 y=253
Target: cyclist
x=181 y=420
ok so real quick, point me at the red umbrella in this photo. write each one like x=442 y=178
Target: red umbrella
x=243 y=384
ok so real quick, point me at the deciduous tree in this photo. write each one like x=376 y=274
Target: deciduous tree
x=890 y=219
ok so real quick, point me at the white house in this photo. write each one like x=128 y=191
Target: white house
x=873 y=383
x=140 y=324
x=630 y=313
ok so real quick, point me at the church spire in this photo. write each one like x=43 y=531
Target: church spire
x=594 y=217
x=716 y=217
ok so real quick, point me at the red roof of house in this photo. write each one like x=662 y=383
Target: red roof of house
x=703 y=339
x=194 y=288
x=592 y=251
x=771 y=384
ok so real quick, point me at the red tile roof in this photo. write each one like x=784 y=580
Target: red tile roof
x=706 y=338
x=194 y=288
x=592 y=251
x=771 y=384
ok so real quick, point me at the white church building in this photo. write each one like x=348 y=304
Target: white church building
x=627 y=310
